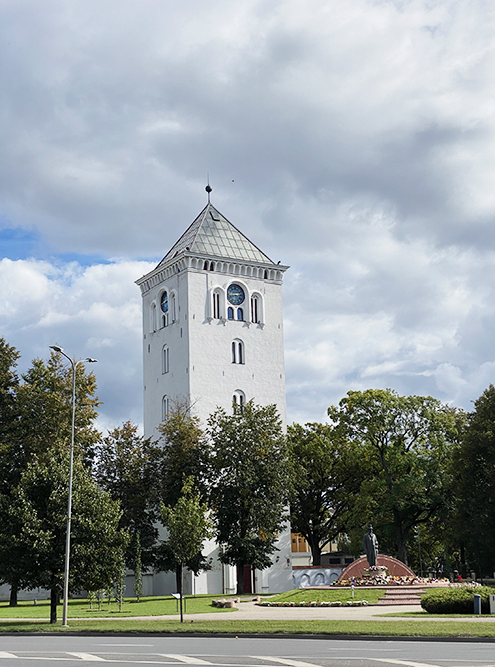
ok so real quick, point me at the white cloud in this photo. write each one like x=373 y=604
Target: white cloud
x=93 y=311
x=354 y=141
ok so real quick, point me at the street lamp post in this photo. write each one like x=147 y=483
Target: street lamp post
x=57 y=348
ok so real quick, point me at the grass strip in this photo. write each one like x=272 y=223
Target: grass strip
x=148 y=606
x=363 y=628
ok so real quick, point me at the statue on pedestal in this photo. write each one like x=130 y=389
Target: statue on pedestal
x=370 y=546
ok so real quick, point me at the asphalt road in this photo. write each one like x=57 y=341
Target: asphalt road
x=243 y=652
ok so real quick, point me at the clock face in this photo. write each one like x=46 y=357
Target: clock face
x=164 y=302
x=235 y=294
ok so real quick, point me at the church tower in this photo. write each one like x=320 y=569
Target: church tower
x=213 y=337
x=212 y=324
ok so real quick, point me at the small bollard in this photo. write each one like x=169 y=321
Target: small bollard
x=352 y=591
x=35 y=602
x=477 y=604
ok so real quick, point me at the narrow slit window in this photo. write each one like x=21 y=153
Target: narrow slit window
x=216 y=305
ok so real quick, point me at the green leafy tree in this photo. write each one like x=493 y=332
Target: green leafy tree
x=45 y=405
x=138 y=570
x=184 y=454
x=37 y=417
x=37 y=514
x=188 y=527
x=474 y=474
x=9 y=413
x=126 y=467
x=408 y=440
x=250 y=484
x=327 y=474
x=9 y=472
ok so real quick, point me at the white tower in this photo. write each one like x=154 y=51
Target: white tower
x=213 y=336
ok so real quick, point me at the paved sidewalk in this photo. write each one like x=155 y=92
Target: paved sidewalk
x=249 y=611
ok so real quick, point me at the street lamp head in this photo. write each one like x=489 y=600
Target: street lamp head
x=90 y=360
x=56 y=348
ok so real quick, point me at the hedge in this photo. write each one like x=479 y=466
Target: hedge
x=456 y=600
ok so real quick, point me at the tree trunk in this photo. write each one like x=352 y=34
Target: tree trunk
x=179 y=571
x=53 y=605
x=314 y=545
x=13 y=596
x=240 y=579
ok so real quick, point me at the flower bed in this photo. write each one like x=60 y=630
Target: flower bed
x=384 y=580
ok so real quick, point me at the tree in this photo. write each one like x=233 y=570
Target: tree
x=184 y=454
x=474 y=483
x=9 y=416
x=409 y=440
x=37 y=515
x=188 y=527
x=328 y=472
x=45 y=405
x=138 y=571
x=126 y=467
x=37 y=417
x=9 y=382
x=250 y=482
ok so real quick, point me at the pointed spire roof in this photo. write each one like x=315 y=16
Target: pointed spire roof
x=212 y=234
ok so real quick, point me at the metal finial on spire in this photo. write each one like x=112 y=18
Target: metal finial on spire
x=208 y=187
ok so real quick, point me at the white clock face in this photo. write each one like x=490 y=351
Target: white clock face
x=235 y=294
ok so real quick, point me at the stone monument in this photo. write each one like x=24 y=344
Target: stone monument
x=370 y=546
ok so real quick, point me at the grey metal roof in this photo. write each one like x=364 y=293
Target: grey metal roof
x=212 y=234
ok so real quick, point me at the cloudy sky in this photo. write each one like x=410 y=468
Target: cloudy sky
x=354 y=141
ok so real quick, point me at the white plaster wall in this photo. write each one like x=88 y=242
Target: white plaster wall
x=175 y=383
x=213 y=376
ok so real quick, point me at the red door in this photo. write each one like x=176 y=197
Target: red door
x=247 y=579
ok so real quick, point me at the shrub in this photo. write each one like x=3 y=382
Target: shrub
x=458 y=600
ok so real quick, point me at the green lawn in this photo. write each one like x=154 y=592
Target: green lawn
x=233 y=627
x=150 y=606
x=328 y=595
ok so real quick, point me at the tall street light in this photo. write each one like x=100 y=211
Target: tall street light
x=57 y=348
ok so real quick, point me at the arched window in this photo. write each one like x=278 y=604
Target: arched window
x=164 y=307
x=153 y=317
x=238 y=402
x=237 y=349
x=165 y=359
x=230 y=313
x=266 y=275
x=205 y=266
x=165 y=408
x=240 y=314
x=173 y=308
x=255 y=309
